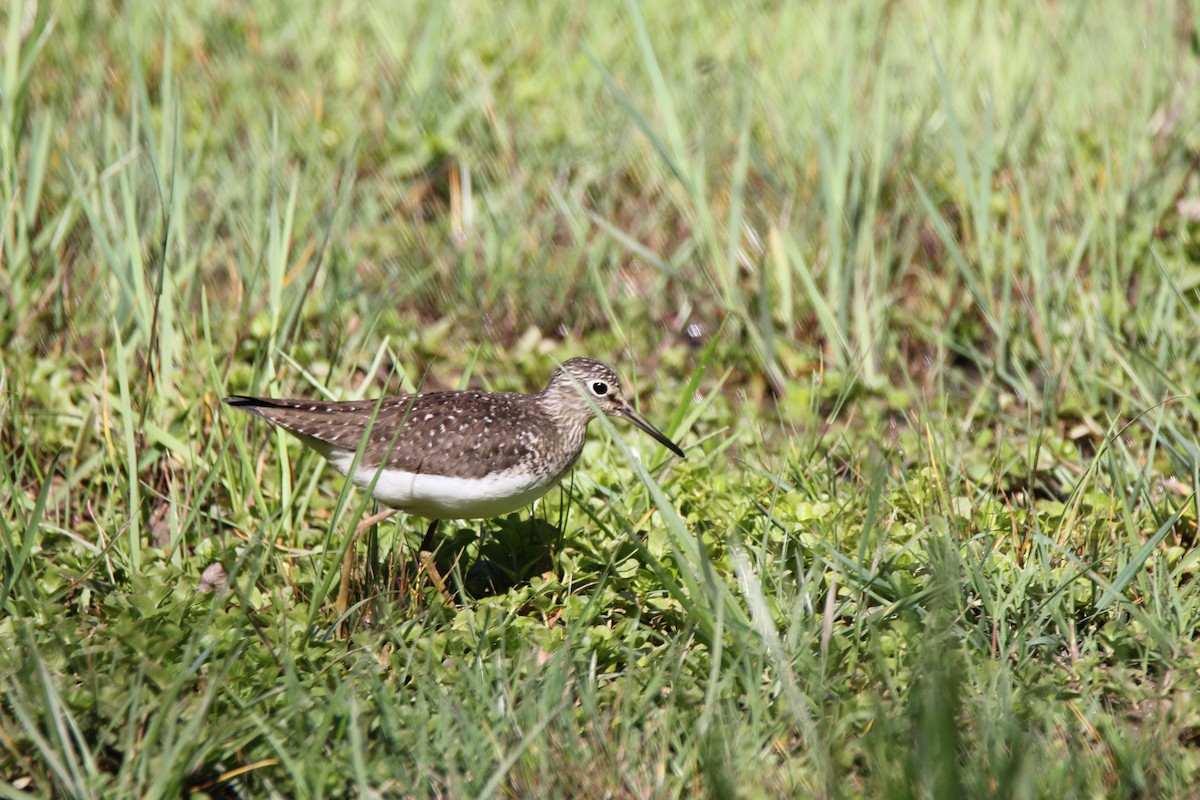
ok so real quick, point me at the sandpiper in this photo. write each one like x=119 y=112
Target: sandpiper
x=459 y=455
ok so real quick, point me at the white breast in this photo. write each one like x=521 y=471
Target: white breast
x=444 y=497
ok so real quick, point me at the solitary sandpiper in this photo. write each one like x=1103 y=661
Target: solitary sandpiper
x=459 y=455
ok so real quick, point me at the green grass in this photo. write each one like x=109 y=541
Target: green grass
x=916 y=284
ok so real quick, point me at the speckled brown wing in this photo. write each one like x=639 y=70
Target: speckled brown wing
x=467 y=434
x=338 y=424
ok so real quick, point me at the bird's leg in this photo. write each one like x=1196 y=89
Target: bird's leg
x=425 y=557
x=427 y=542
x=343 y=599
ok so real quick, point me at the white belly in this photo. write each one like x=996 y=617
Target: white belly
x=443 y=497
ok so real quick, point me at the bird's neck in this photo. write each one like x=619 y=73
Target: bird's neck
x=569 y=420
x=572 y=432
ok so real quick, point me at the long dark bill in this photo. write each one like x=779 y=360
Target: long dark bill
x=637 y=419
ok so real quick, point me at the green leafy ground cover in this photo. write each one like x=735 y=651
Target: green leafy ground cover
x=914 y=283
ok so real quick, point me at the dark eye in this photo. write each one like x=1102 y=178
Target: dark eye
x=600 y=388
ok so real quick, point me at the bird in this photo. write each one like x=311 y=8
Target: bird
x=459 y=455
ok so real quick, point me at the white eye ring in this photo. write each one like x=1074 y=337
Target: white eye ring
x=599 y=388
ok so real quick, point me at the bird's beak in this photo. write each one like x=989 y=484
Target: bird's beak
x=637 y=419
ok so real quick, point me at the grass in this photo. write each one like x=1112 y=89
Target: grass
x=914 y=283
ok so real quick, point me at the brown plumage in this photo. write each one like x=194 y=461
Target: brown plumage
x=459 y=455
x=465 y=434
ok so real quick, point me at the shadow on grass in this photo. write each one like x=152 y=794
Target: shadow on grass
x=473 y=563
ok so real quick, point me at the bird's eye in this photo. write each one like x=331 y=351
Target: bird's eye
x=600 y=388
